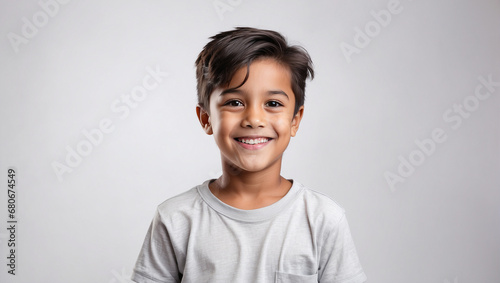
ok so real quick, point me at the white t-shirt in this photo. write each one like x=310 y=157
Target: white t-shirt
x=194 y=237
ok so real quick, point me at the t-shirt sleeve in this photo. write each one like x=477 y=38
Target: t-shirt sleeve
x=339 y=262
x=156 y=261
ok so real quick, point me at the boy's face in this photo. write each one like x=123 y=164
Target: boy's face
x=253 y=124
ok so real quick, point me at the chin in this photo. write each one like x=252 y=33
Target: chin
x=251 y=168
x=256 y=167
x=247 y=167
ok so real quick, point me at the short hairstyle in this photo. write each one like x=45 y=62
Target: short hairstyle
x=231 y=50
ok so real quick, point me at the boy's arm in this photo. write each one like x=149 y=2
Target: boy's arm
x=157 y=261
x=339 y=261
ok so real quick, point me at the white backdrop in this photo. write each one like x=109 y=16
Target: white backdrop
x=401 y=128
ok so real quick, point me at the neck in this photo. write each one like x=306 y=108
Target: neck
x=267 y=182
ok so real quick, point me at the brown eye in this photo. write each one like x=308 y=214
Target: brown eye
x=274 y=104
x=234 y=103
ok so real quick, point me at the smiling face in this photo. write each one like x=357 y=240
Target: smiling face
x=252 y=125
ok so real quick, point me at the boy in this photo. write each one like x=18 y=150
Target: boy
x=251 y=224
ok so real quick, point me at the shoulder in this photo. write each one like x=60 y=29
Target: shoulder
x=180 y=207
x=179 y=201
x=322 y=207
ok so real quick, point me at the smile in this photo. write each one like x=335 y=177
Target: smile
x=253 y=141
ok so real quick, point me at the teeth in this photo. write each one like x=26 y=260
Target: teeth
x=254 y=141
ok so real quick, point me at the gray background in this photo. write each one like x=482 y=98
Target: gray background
x=364 y=113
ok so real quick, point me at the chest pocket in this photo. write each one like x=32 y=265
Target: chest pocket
x=282 y=277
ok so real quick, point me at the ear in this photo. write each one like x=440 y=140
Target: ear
x=296 y=121
x=204 y=119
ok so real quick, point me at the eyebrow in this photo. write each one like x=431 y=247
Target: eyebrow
x=238 y=91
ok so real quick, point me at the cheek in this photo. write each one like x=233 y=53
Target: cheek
x=224 y=125
x=282 y=125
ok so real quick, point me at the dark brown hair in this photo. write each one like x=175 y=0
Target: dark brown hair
x=231 y=50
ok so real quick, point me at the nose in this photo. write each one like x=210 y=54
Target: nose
x=254 y=117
